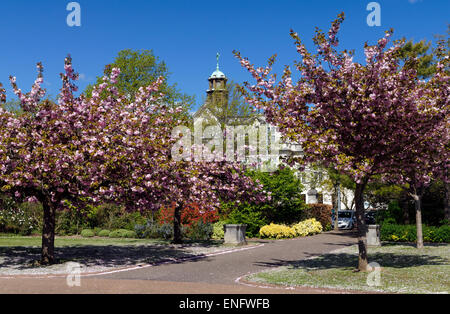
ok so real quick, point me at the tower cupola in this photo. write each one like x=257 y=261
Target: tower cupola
x=217 y=94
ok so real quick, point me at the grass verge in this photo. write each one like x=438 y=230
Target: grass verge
x=20 y=255
x=403 y=269
x=11 y=240
x=36 y=241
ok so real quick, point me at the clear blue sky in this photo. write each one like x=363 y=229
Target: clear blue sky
x=187 y=34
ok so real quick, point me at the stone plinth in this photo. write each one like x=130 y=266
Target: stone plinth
x=373 y=235
x=235 y=234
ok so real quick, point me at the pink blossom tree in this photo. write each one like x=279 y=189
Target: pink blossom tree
x=74 y=152
x=363 y=120
x=102 y=148
x=427 y=160
x=207 y=184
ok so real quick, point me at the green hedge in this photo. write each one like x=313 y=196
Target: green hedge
x=407 y=233
x=122 y=233
x=87 y=233
x=104 y=233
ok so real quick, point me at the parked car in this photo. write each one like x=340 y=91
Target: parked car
x=346 y=219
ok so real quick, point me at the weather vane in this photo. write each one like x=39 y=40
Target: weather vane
x=218 y=56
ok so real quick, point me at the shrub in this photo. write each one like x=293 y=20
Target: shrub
x=112 y=216
x=130 y=234
x=196 y=222
x=286 y=204
x=301 y=229
x=389 y=221
x=151 y=230
x=308 y=227
x=87 y=233
x=73 y=220
x=165 y=231
x=97 y=230
x=104 y=233
x=408 y=233
x=67 y=223
x=275 y=231
x=200 y=231
x=248 y=215
x=441 y=234
x=140 y=231
x=284 y=207
x=396 y=233
x=319 y=212
x=21 y=219
x=121 y=233
x=394 y=213
x=190 y=215
x=218 y=232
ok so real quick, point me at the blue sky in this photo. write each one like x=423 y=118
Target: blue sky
x=187 y=34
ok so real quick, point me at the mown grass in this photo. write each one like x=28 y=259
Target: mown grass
x=36 y=241
x=404 y=269
x=20 y=253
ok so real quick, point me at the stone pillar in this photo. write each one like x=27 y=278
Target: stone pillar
x=235 y=234
x=373 y=235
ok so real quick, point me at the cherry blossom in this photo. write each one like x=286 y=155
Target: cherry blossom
x=362 y=119
x=104 y=148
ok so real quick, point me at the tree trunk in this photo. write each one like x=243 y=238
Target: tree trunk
x=336 y=218
x=405 y=211
x=338 y=207
x=447 y=201
x=361 y=227
x=334 y=201
x=177 y=236
x=48 y=234
x=417 y=196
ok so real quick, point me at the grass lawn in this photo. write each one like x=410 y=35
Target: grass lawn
x=36 y=241
x=20 y=255
x=404 y=269
x=12 y=240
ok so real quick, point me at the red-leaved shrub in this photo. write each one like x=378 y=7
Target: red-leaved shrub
x=321 y=212
x=190 y=215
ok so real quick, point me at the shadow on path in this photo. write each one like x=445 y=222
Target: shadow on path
x=106 y=256
x=345 y=260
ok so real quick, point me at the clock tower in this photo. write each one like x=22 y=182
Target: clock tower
x=217 y=94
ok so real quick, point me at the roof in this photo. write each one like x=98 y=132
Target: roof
x=217 y=74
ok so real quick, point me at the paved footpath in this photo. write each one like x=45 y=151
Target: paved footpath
x=212 y=274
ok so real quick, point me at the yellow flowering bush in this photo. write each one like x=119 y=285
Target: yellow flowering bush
x=308 y=227
x=301 y=229
x=274 y=231
x=394 y=237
